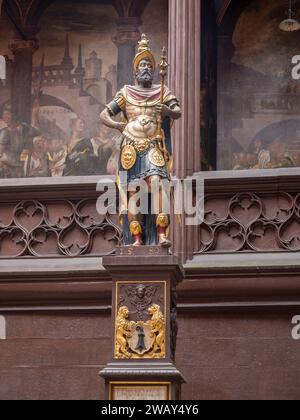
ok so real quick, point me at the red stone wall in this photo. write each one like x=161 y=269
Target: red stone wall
x=54 y=357
x=222 y=356
x=239 y=356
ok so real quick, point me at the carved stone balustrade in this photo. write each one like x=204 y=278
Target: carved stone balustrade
x=245 y=211
x=42 y=219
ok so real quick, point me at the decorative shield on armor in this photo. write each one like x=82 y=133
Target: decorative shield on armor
x=128 y=157
x=141 y=341
x=156 y=158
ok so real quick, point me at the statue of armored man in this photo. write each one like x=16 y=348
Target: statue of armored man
x=147 y=112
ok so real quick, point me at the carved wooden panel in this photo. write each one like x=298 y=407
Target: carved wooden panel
x=251 y=222
x=54 y=228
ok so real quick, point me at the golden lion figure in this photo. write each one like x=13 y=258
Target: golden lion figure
x=123 y=332
x=157 y=324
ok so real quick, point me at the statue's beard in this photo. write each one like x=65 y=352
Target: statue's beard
x=145 y=78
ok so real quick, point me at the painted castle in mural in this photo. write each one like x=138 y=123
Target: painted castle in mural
x=70 y=83
x=65 y=137
x=74 y=75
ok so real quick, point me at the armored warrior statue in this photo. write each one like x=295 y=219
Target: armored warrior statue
x=146 y=151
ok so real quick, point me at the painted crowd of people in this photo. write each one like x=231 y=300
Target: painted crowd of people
x=266 y=156
x=25 y=152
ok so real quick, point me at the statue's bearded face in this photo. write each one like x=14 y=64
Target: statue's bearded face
x=144 y=73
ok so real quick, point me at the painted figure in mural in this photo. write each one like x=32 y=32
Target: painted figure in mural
x=37 y=163
x=263 y=154
x=8 y=165
x=80 y=159
x=113 y=161
x=104 y=145
x=18 y=132
x=279 y=155
x=146 y=153
x=21 y=135
x=57 y=157
x=6 y=120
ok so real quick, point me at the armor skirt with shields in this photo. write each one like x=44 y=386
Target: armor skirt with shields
x=141 y=160
x=141 y=164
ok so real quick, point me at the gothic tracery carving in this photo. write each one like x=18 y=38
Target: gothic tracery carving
x=66 y=228
x=251 y=222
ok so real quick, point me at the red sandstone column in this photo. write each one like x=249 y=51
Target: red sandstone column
x=185 y=81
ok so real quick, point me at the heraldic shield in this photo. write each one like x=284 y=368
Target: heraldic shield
x=140 y=339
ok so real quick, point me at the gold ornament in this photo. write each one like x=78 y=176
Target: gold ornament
x=143 y=52
x=141 y=145
x=156 y=157
x=140 y=340
x=123 y=332
x=128 y=157
x=143 y=44
x=135 y=228
x=162 y=220
x=157 y=324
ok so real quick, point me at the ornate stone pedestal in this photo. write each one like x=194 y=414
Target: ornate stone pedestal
x=144 y=325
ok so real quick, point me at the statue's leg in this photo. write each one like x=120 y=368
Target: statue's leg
x=163 y=219
x=135 y=225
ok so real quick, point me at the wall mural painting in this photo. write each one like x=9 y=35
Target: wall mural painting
x=74 y=75
x=259 y=119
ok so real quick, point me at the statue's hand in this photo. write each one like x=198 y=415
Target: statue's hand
x=163 y=110
x=121 y=126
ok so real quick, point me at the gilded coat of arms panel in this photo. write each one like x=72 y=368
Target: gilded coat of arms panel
x=140 y=325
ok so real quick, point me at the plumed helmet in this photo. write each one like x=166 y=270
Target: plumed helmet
x=144 y=51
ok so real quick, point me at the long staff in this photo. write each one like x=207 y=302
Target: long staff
x=163 y=74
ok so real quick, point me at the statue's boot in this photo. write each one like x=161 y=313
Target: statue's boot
x=136 y=232
x=162 y=223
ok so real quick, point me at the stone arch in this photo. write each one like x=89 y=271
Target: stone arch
x=252 y=94
x=25 y=15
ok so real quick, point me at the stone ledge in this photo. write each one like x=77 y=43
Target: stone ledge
x=199 y=264
x=212 y=282
x=244 y=261
x=48 y=266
